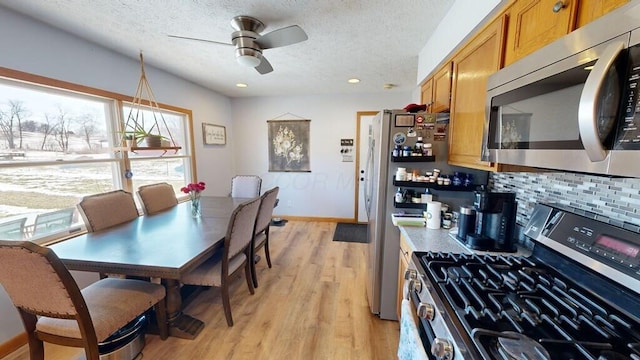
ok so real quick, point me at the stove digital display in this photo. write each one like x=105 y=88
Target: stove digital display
x=617 y=245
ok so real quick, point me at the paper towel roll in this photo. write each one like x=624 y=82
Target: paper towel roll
x=433 y=214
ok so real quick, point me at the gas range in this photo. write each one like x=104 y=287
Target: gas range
x=575 y=297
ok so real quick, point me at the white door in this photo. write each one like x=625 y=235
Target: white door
x=363 y=126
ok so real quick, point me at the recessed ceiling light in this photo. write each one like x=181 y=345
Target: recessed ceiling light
x=353 y=81
x=241 y=85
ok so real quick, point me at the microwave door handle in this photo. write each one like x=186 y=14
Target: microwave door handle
x=587 y=108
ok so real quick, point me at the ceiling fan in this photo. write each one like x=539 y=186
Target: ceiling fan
x=250 y=44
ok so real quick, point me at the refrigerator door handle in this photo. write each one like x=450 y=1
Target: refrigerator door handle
x=367 y=179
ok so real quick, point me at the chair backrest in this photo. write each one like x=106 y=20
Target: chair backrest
x=157 y=197
x=101 y=211
x=38 y=283
x=53 y=221
x=241 y=226
x=246 y=186
x=265 y=212
x=12 y=230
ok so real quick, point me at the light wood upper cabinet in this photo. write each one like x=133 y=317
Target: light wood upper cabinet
x=481 y=57
x=436 y=91
x=442 y=89
x=535 y=23
x=589 y=10
x=426 y=96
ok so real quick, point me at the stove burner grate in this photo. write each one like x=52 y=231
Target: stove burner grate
x=514 y=308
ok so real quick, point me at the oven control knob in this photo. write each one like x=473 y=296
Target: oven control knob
x=426 y=311
x=442 y=349
x=415 y=285
x=410 y=274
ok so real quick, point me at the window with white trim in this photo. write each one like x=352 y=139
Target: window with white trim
x=58 y=145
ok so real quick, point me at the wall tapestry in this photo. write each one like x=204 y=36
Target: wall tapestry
x=289 y=145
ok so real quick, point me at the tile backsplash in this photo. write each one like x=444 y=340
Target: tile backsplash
x=617 y=199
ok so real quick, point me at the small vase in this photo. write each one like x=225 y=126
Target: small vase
x=195 y=206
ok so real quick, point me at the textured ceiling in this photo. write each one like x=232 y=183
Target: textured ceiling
x=377 y=41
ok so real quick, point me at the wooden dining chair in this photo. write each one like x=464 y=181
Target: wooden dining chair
x=101 y=211
x=12 y=230
x=54 y=309
x=245 y=186
x=261 y=236
x=219 y=269
x=157 y=197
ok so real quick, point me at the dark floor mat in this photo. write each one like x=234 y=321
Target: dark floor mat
x=350 y=232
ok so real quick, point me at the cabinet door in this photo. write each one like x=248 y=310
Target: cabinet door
x=427 y=94
x=402 y=267
x=535 y=23
x=442 y=89
x=589 y=10
x=472 y=66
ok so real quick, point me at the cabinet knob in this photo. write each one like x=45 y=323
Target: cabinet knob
x=558 y=6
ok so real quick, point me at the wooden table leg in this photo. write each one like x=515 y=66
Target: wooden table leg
x=180 y=325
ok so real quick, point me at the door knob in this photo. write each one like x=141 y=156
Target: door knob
x=558 y=6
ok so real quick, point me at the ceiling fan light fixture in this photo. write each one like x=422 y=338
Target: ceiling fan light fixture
x=248 y=60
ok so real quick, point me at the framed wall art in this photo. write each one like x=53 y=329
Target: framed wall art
x=214 y=134
x=289 y=145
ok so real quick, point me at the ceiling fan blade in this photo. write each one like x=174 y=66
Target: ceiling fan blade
x=264 y=67
x=282 y=37
x=196 y=39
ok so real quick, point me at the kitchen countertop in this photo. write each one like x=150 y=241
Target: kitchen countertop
x=420 y=238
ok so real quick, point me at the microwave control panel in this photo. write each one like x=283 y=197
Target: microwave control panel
x=628 y=137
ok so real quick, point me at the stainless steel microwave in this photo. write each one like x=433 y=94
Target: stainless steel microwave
x=573 y=104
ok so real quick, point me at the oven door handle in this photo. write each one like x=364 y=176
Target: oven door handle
x=588 y=106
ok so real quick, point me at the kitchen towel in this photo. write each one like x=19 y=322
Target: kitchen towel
x=433 y=214
x=410 y=346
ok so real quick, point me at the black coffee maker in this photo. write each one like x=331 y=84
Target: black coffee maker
x=495 y=222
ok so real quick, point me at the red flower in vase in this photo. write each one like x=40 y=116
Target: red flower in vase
x=193 y=189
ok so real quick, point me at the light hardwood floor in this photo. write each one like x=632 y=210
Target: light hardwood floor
x=311 y=305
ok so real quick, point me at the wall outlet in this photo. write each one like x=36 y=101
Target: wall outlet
x=289 y=203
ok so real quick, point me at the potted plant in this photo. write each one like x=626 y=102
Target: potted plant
x=129 y=140
x=150 y=138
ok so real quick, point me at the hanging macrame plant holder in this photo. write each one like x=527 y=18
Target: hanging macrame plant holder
x=142 y=133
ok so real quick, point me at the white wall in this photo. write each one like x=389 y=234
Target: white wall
x=36 y=48
x=328 y=190
x=461 y=20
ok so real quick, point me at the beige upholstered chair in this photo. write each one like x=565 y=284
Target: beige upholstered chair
x=12 y=230
x=245 y=186
x=261 y=237
x=101 y=211
x=55 y=310
x=157 y=197
x=218 y=270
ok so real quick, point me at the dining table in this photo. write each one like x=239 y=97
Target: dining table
x=164 y=246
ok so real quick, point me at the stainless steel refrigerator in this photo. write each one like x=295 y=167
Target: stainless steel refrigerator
x=388 y=128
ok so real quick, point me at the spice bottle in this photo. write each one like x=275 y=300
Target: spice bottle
x=399 y=196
